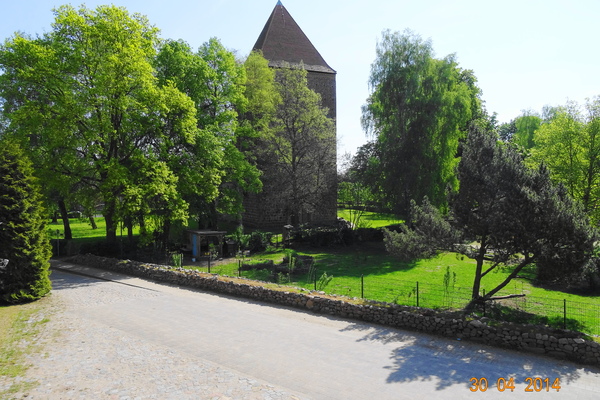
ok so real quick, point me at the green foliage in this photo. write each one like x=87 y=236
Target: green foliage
x=297 y=153
x=503 y=213
x=526 y=125
x=215 y=82
x=371 y=219
x=355 y=196
x=424 y=236
x=177 y=260
x=448 y=283
x=365 y=169
x=569 y=145
x=259 y=241
x=84 y=98
x=262 y=94
x=419 y=109
x=324 y=281
x=241 y=239
x=23 y=237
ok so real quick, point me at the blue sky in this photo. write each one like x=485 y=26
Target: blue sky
x=524 y=53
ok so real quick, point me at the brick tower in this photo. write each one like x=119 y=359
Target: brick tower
x=282 y=42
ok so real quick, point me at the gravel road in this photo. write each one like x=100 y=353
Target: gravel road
x=119 y=337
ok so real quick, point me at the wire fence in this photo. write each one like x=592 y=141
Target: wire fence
x=560 y=313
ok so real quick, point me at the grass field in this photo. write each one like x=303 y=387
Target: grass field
x=370 y=219
x=443 y=281
x=82 y=229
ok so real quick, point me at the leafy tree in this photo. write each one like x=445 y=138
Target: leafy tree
x=569 y=144
x=503 y=215
x=298 y=149
x=215 y=81
x=85 y=99
x=507 y=130
x=526 y=125
x=419 y=109
x=23 y=236
x=365 y=170
x=262 y=94
x=356 y=197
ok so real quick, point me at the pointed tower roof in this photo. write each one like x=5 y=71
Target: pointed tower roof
x=282 y=40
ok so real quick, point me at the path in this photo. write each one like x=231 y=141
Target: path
x=132 y=338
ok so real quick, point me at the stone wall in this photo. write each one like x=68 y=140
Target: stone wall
x=555 y=343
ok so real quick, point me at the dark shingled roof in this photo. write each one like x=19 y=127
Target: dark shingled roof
x=282 y=40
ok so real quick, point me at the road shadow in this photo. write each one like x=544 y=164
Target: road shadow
x=444 y=362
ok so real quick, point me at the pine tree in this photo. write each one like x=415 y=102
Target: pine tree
x=504 y=215
x=23 y=236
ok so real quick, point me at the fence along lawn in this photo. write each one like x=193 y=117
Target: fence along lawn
x=375 y=275
x=442 y=282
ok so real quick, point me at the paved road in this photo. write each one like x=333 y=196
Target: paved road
x=129 y=338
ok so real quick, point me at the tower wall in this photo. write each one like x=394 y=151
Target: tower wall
x=282 y=41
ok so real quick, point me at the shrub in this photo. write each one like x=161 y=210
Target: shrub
x=259 y=241
x=23 y=235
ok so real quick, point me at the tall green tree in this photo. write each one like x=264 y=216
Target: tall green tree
x=85 y=99
x=507 y=130
x=23 y=235
x=569 y=145
x=526 y=125
x=215 y=81
x=262 y=94
x=503 y=215
x=419 y=109
x=365 y=169
x=297 y=151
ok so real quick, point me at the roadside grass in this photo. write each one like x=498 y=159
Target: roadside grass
x=19 y=325
x=371 y=219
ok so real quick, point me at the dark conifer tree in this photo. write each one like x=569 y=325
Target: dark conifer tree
x=503 y=215
x=23 y=236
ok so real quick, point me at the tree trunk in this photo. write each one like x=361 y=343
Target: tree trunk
x=166 y=232
x=526 y=261
x=129 y=225
x=64 y=215
x=111 y=226
x=93 y=222
x=480 y=258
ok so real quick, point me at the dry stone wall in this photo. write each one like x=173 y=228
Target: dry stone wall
x=556 y=343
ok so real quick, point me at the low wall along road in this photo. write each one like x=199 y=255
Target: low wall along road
x=556 y=343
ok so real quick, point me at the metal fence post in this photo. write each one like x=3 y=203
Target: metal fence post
x=417 y=293
x=484 y=302
x=315 y=278
x=209 y=263
x=564 y=313
x=239 y=268
x=362 y=286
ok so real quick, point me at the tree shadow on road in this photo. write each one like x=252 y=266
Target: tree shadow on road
x=445 y=362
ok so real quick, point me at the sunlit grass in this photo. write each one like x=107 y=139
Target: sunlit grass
x=19 y=325
x=370 y=219
x=376 y=275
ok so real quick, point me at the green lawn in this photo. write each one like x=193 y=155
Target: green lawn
x=370 y=219
x=443 y=282
x=81 y=228
x=374 y=274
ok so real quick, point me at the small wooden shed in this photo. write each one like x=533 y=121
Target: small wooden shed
x=200 y=240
